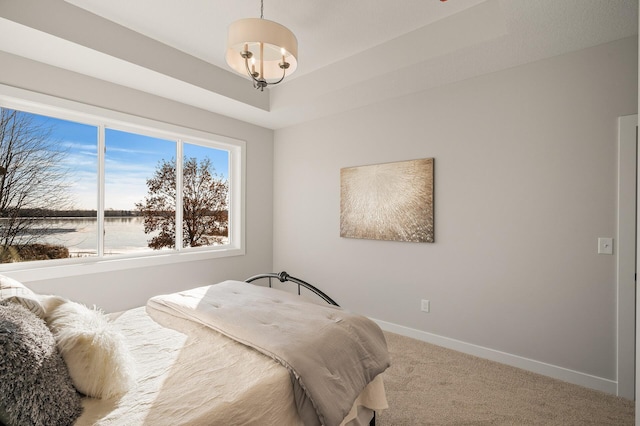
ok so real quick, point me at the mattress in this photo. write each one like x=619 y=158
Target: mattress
x=188 y=374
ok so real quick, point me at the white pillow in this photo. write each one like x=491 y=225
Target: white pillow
x=16 y=292
x=96 y=355
x=10 y=287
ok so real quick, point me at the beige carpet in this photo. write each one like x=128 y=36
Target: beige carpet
x=431 y=385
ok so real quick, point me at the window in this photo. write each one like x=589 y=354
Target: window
x=77 y=187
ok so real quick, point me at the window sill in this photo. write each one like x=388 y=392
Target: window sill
x=42 y=270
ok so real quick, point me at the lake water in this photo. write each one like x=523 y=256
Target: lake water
x=79 y=235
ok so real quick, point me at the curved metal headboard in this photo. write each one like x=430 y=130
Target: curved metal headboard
x=283 y=276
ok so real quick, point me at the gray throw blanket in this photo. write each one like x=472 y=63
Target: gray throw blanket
x=330 y=353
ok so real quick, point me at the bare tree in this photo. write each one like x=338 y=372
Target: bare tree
x=204 y=205
x=33 y=180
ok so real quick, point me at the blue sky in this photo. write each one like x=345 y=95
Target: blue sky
x=130 y=160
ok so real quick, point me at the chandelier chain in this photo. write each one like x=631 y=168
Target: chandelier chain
x=261 y=9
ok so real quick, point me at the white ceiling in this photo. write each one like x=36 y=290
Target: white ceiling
x=351 y=53
x=327 y=31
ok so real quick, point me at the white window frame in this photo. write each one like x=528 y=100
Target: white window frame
x=37 y=103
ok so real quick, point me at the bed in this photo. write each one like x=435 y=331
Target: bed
x=197 y=361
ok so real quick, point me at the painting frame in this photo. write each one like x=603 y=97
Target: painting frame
x=388 y=201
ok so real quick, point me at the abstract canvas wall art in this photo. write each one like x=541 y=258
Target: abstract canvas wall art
x=390 y=201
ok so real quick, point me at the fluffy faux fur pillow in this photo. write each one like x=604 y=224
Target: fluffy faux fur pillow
x=35 y=387
x=96 y=355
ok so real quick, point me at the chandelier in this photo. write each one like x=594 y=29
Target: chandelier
x=264 y=50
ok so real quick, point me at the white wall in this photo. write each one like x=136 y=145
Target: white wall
x=124 y=289
x=637 y=334
x=525 y=183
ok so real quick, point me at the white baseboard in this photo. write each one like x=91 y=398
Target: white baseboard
x=560 y=373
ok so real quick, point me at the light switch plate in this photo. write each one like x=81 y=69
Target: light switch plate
x=605 y=245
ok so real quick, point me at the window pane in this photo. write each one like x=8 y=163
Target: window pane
x=48 y=187
x=205 y=196
x=140 y=193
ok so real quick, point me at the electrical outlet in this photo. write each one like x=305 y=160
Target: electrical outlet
x=424 y=306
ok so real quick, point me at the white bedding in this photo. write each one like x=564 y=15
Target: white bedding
x=331 y=354
x=226 y=383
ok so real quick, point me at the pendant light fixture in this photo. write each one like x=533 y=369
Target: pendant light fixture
x=264 y=50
